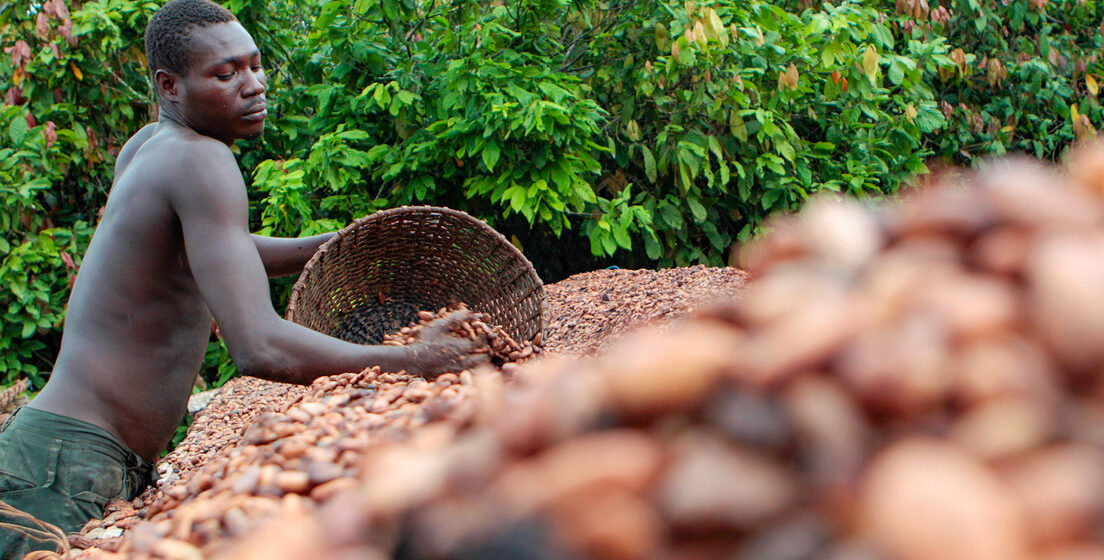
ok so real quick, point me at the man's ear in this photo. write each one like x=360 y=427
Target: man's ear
x=166 y=83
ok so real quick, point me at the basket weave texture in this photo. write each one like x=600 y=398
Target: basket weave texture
x=373 y=277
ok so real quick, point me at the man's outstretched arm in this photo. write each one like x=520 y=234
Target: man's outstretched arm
x=213 y=210
x=283 y=256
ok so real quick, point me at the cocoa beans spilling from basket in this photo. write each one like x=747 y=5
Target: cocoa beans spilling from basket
x=494 y=340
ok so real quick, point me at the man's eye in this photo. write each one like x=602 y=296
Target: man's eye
x=225 y=77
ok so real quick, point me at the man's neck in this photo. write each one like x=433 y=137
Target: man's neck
x=167 y=114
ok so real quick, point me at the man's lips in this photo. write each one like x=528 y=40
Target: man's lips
x=257 y=112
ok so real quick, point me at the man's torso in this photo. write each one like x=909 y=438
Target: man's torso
x=136 y=324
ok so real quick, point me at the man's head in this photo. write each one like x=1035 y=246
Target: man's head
x=169 y=33
x=206 y=70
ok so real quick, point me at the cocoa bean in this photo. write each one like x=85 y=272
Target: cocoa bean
x=622 y=458
x=293 y=481
x=176 y=550
x=610 y=523
x=926 y=500
x=999 y=428
x=299 y=415
x=1064 y=273
x=325 y=492
x=236 y=523
x=1062 y=491
x=1080 y=551
x=656 y=372
x=745 y=488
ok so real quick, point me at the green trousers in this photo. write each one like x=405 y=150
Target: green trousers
x=62 y=471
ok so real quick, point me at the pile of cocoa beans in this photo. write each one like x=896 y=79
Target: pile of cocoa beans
x=915 y=380
x=214 y=490
x=585 y=313
x=288 y=461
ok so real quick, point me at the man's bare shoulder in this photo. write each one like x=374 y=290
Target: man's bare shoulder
x=167 y=153
x=187 y=145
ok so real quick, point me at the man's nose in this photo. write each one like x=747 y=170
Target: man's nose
x=256 y=85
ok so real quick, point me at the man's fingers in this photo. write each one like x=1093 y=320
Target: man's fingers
x=463 y=345
x=449 y=322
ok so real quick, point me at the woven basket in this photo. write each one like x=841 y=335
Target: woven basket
x=373 y=277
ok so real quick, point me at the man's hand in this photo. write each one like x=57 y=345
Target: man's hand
x=439 y=351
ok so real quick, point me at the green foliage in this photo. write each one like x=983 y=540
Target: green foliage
x=636 y=133
x=728 y=112
x=71 y=86
x=1025 y=75
x=676 y=125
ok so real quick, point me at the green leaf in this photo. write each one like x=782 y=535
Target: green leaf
x=828 y=55
x=560 y=178
x=490 y=154
x=362 y=6
x=649 y=164
x=652 y=246
x=609 y=244
x=770 y=198
x=715 y=147
x=696 y=208
x=685 y=182
x=17 y=289
x=785 y=149
x=17 y=130
x=896 y=73
x=621 y=235
x=517 y=201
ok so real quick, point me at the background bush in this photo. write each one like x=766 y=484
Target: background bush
x=638 y=133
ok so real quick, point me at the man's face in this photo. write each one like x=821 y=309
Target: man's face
x=222 y=93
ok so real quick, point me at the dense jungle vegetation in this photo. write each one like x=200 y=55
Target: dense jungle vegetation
x=641 y=133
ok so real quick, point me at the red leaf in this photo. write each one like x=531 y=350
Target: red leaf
x=61 y=9
x=42 y=25
x=20 y=52
x=15 y=96
x=51 y=134
x=68 y=260
x=66 y=31
x=31 y=123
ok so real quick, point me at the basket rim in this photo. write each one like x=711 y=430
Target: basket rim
x=300 y=283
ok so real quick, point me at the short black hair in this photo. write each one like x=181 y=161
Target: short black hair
x=169 y=31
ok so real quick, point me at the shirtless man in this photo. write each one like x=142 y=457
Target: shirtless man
x=173 y=250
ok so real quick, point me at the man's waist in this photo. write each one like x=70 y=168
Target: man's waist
x=46 y=424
